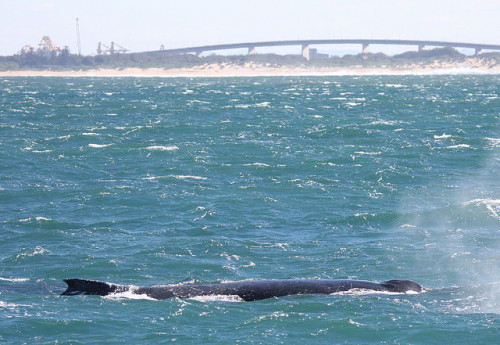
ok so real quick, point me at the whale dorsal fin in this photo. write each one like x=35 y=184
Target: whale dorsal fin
x=402 y=286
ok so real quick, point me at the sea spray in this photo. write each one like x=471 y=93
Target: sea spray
x=458 y=236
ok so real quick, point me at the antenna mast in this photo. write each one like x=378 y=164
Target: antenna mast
x=78 y=38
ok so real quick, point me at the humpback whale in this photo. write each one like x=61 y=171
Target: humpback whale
x=247 y=290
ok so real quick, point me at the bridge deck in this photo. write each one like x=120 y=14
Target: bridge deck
x=199 y=49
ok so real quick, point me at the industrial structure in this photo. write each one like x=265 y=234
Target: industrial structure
x=115 y=48
x=46 y=48
x=78 y=42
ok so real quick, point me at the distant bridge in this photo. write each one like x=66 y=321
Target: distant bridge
x=306 y=52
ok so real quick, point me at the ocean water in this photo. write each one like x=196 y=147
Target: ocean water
x=203 y=180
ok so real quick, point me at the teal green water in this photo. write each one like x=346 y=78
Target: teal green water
x=153 y=181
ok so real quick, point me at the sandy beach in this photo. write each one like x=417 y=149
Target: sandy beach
x=473 y=65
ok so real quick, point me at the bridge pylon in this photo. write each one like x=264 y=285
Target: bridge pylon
x=306 y=51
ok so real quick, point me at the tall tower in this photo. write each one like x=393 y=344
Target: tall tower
x=78 y=38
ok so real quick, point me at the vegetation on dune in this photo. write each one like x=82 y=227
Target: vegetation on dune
x=67 y=61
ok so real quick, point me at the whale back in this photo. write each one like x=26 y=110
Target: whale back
x=247 y=290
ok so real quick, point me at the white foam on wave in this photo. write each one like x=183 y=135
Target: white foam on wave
x=7 y=305
x=368 y=153
x=495 y=202
x=37 y=219
x=395 y=85
x=129 y=294
x=62 y=137
x=442 y=136
x=14 y=280
x=383 y=122
x=363 y=292
x=352 y=322
x=188 y=177
x=218 y=298
x=99 y=145
x=494 y=141
x=407 y=226
x=459 y=146
x=492 y=205
x=179 y=177
x=162 y=148
x=197 y=101
x=257 y=164
x=41 y=151
x=37 y=251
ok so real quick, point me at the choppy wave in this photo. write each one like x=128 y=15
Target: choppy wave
x=442 y=136
x=14 y=280
x=372 y=178
x=36 y=219
x=492 y=205
x=494 y=141
x=162 y=148
x=99 y=145
x=459 y=146
x=11 y=306
x=178 y=177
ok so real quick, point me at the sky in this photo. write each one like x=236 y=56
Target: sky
x=145 y=25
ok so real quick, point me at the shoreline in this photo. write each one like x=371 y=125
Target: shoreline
x=470 y=66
